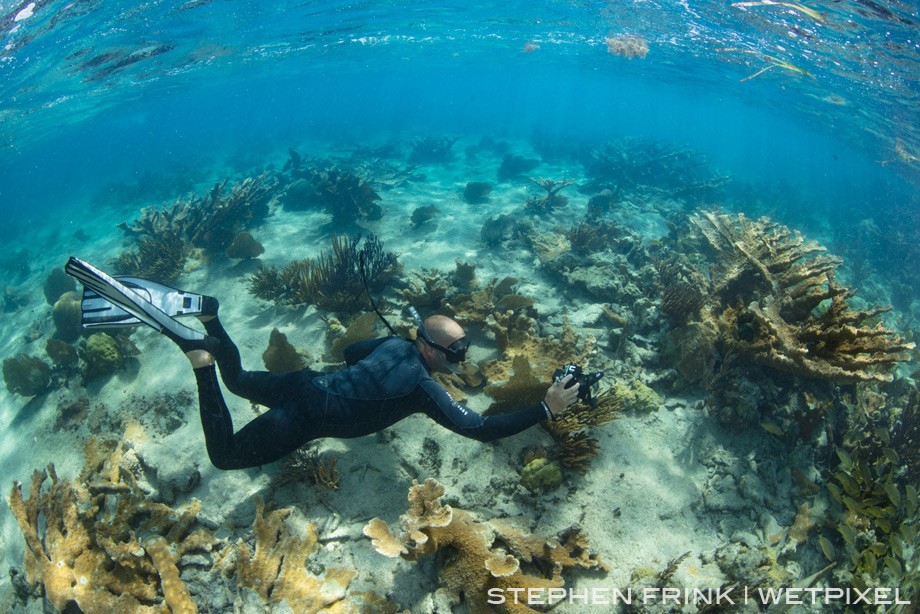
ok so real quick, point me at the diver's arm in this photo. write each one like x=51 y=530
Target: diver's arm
x=464 y=421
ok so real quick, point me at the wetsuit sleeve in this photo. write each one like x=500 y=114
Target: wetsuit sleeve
x=464 y=421
x=360 y=350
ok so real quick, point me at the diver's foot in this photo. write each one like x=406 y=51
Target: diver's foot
x=188 y=343
x=200 y=358
x=209 y=307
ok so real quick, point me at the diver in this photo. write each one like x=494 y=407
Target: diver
x=385 y=380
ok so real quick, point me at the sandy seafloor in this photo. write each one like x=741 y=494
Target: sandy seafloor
x=665 y=483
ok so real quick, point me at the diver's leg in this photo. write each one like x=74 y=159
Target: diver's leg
x=272 y=435
x=263 y=387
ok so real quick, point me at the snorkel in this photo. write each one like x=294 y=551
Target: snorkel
x=455 y=352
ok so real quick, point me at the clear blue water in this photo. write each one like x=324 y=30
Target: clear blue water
x=812 y=110
x=94 y=91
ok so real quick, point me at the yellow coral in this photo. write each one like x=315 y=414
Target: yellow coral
x=771 y=290
x=488 y=554
x=88 y=553
x=277 y=572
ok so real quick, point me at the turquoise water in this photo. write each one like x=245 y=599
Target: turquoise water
x=92 y=92
x=808 y=113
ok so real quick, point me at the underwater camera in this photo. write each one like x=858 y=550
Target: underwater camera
x=587 y=381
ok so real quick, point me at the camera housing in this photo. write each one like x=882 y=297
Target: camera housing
x=584 y=381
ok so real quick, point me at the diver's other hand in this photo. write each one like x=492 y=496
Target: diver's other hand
x=558 y=397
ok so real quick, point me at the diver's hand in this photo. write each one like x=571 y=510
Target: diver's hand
x=558 y=397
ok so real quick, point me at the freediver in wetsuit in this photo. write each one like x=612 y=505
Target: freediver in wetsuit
x=385 y=381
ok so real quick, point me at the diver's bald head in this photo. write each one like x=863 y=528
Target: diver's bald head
x=443 y=330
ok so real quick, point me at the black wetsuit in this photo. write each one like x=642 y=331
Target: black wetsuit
x=386 y=380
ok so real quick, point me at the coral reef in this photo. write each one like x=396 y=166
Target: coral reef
x=306 y=466
x=68 y=316
x=161 y=256
x=575 y=447
x=62 y=354
x=423 y=215
x=347 y=197
x=26 y=375
x=280 y=355
x=103 y=356
x=601 y=204
x=359 y=328
x=874 y=507
x=432 y=150
x=541 y=475
x=96 y=543
x=486 y=554
x=333 y=281
x=636 y=396
x=683 y=289
x=513 y=166
x=634 y=163
x=57 y=283
x=495 y=230
x=477 y=192
x=276 y=568
x=768 y=292
x=245 y=247
x=552 y=200
x=209 y=222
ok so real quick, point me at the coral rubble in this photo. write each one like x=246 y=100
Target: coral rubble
x=486 y=554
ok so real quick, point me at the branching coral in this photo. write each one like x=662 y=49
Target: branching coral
x=209 y=222
x=97 y=542
x=683 y=289
x=517 y=335
x=771 y=288
x=552 y=200
x=276 y=568
x=486 y=554
x=347 y=197
x=574 y=445
x=633 y=162
x=333 y=281
x=161 y=256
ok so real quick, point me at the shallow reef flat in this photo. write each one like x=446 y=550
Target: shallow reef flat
x=755 y=426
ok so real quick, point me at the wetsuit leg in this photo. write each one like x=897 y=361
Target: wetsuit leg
x=272 y=435
x=263 y=387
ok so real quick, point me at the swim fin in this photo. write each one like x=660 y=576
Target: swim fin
x=106 y=287
x=99 y=311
